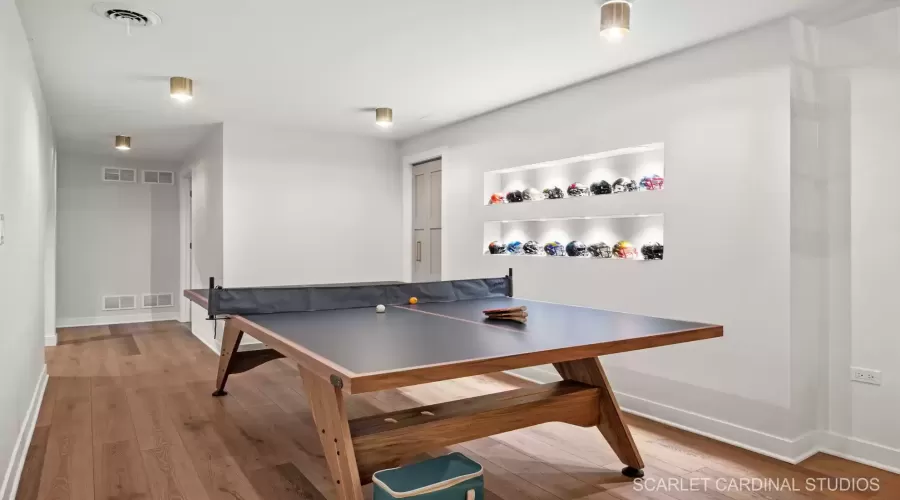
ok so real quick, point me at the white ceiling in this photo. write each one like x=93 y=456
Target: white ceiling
x=317 y=64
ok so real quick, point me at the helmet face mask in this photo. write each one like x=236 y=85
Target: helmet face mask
x=553 y=193
x=600 y=250
x=577 y=189
x=624 y=185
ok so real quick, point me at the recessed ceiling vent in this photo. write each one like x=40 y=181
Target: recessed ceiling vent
x=126 y=14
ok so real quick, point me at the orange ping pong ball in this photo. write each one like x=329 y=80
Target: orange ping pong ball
x=413 y=300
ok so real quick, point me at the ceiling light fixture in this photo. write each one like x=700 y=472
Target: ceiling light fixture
x=615 y=19
x=181 y=88
x=384 y=117
x=123 y=142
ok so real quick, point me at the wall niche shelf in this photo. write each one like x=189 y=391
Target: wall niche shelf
x=633 y=163
x=636 y=229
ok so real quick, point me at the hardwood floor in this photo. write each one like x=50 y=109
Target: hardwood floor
x=128 y=415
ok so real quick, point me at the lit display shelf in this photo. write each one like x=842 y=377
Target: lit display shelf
x=635 y=163
x=638 y=230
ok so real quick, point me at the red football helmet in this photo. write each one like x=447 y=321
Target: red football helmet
x=624 y=250
x=652 y=183
x=497 y=198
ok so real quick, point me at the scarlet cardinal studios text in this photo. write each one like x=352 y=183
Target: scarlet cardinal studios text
x=841 y=484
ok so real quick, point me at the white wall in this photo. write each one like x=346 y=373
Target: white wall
x=302 y=208
x=875 y=219
x=860 y=94
x=204 y=166
x=114 y=239
x=27 y=173
x=723 y=112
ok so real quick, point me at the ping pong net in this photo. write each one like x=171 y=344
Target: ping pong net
x=269 y=300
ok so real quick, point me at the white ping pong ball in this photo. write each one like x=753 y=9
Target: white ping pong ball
x=379 y=308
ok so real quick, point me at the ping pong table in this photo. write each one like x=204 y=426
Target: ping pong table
x=342 y=347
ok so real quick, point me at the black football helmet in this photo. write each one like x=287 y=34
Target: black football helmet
x=531 y=247
x=553 y=193
x=623 y=185
x=497 y=248
x=601 y=187
x=577 y=189
x=652 y=251
x=514 y=196
x=576 y=249
x=600 y=250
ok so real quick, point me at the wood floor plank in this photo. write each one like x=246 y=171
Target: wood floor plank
x=45 y=412
x=120 y=472
x=171 y=474
x=67 y=473
x=284 y=482
x=30 y=482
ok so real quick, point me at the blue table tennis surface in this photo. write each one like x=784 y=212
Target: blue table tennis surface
x=409 y=336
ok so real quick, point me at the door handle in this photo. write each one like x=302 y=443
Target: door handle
x=418 y=251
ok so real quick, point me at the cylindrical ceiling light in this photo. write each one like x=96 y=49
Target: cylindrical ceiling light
x=181 y=88
x=615 y=19
x=123 y=142
x=384 y=117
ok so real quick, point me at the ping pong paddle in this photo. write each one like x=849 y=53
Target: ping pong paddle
x=505 y=310
x=517 y=314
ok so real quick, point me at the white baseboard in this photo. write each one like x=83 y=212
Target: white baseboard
x=49 y=340
x=117 y=320
x=862 y=451
x=791 y=450
x=20 y=450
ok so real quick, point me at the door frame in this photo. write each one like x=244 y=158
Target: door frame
x=184 y=208
x=407 y=239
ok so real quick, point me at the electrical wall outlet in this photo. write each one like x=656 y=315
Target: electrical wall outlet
x=865 y=375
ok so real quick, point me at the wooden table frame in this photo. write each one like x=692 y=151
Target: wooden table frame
x=356 y=448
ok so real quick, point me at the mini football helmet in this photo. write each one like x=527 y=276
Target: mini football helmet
x=600 y=250
x=555 y=248
x=497 y=198
x=624 y=250
x=601 y=187
x=553 y=193
x=652 y=251
x=532 y=194
x=514 y=247
x=531 y=247
x=623 y=185
x=576 y=249
x=514 y=196
x=651 y=183
x=577 y=189
x=497 y=248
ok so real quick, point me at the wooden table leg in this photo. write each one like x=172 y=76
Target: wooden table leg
x=231 y=340
x=589 y=371
x=330 y=416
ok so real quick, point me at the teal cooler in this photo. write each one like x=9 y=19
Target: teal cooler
x=451 y=477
